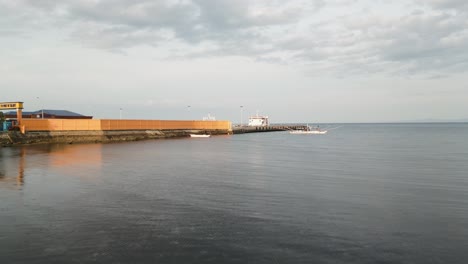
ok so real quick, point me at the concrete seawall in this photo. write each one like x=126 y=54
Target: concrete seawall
x=4 y=139
x=70 y=137
x=33 y=125
x=107 y=130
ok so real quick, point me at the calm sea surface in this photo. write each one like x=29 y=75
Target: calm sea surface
x=380 y=193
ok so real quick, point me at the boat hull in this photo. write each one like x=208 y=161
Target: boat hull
x=302 y=132
x=199 y=136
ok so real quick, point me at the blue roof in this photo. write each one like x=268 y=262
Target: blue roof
x=56 y=112
x=49 y=112
x=14 y=113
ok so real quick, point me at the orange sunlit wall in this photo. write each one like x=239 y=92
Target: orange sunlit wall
x=110 y=124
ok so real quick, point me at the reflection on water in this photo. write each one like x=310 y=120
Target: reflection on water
x=20 y=178
x=362 y=194
x=17 y=162
x=7 y=178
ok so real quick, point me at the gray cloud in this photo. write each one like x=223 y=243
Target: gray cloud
x=429 y=37
x=420 y=42
x=457 y=5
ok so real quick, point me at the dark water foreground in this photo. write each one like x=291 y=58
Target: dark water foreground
x=360 y=194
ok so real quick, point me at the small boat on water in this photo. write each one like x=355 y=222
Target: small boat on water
x=200 y=135
x=309 y=130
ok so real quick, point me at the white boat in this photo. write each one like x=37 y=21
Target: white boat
x=317 y=132
x=309 y=130
x=199 y=136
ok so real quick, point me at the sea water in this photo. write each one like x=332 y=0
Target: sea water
x=363 y=193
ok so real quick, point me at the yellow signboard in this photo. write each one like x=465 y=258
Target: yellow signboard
x=11 y=105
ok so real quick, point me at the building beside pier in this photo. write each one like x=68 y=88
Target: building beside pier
x=258 y=121
x=48 y=114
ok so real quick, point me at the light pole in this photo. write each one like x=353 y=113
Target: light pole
x=120 y=113
x=242 y=111
x=42 y=107
x=188 y=108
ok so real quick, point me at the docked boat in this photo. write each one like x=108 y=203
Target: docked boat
x=258 y=121
x=200 y=135
x=309 y=130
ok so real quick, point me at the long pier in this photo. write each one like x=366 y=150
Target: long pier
x=251 y=129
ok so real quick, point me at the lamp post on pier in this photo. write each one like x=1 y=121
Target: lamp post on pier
x=120 y=113
x=241 y=113
x=42 y=108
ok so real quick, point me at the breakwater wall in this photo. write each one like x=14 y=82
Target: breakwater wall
x=5 y=139
x=70 y=137
x=107 y=130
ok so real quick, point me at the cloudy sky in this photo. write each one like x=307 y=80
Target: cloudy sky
x=295 y=60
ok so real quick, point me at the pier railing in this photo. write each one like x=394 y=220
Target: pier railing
x=254 y=129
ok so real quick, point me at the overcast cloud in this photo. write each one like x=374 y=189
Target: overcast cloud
x=424 y=42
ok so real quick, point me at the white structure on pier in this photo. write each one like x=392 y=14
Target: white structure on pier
x=258 y=121
x=209 y=118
